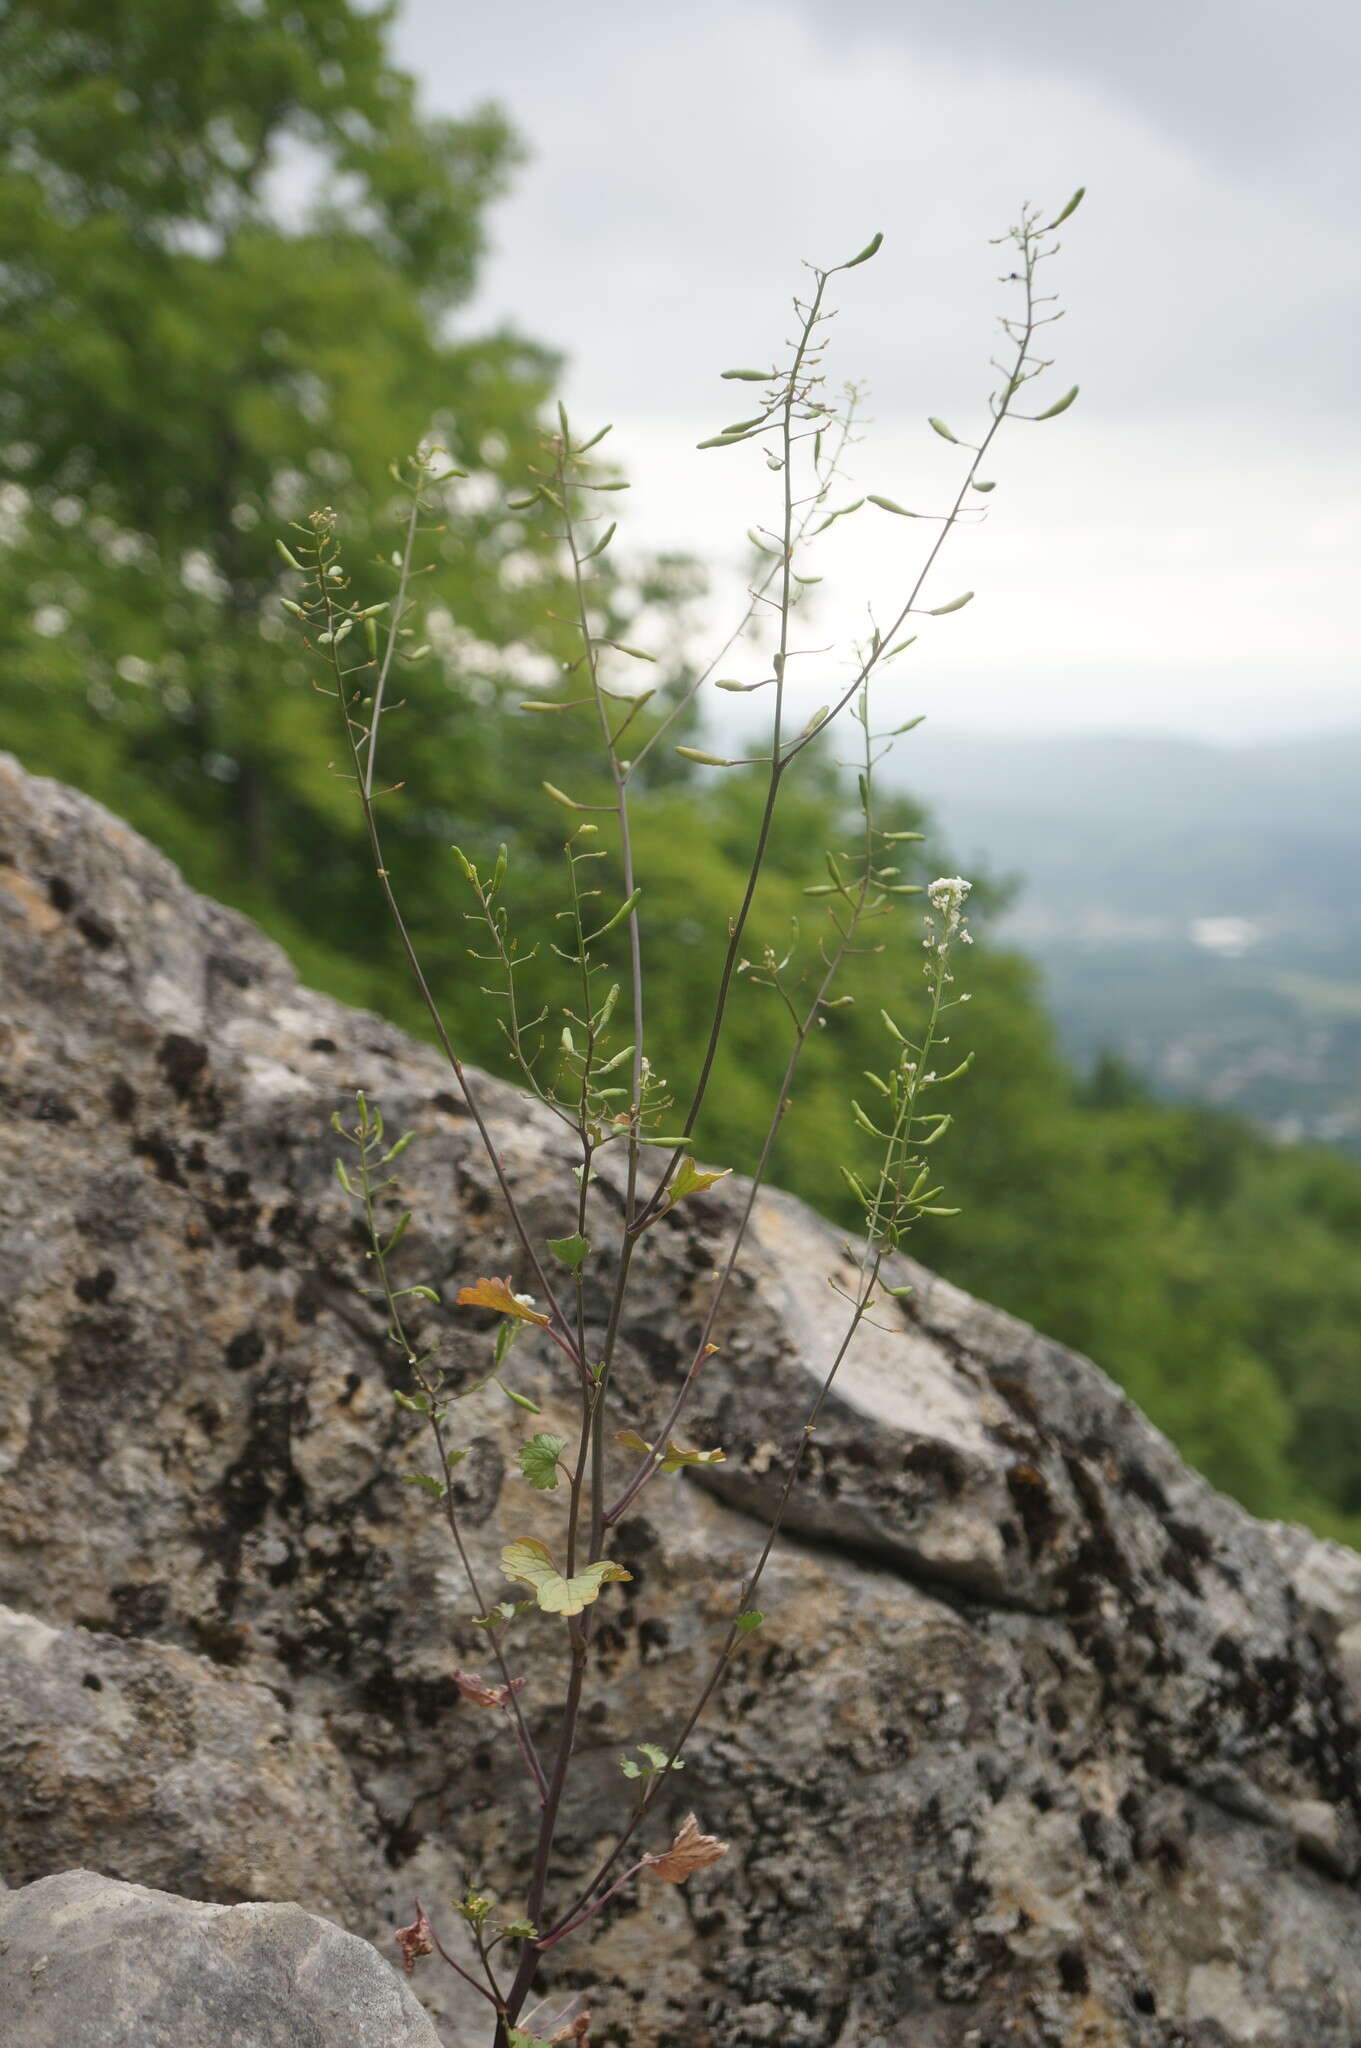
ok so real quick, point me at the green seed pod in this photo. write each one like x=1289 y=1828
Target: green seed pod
x=749 y=376
x=871 y=248
x=1071 y=207
x=956 y=604
x=1062 y=405
x=939 y=427
x=890 y=505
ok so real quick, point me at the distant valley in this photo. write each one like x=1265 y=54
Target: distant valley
x=1194 y=908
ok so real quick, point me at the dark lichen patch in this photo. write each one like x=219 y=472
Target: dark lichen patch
x=246 y=1348
x=184 y=1062
x=1144 y=1487
x=1018 y=1397
x=95 y=1287
x=1074 y=1978
x=1178 y=1566
x=231 y=968
x=158 y=1151
x=95 y=931
x=122 y=1099
x=139 y=1608
x=1039 y=1516
x=930 y=1459
x=45 y=1107
x=219 y=1640
x=60 y=894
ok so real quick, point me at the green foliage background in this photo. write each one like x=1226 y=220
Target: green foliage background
x=189 y=360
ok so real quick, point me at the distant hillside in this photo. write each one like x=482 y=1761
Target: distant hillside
x=1196 y=908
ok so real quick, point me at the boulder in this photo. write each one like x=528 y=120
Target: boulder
x=146 y=1759
x=87 y=1962
x=1042 y=1740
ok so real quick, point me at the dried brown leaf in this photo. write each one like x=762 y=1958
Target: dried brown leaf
x=478 y=1693
x=691 y=1851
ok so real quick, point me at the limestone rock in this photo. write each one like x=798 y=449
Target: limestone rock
x=1042 y=1741
x=147 y=1759
x=87 y=1962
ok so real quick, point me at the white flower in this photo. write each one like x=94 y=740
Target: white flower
x=946 y=895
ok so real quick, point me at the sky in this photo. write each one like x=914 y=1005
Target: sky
x=1178 y=552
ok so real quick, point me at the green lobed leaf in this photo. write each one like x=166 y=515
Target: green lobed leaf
x=538 y=1460
x=570 y=1251
x=426 y=1483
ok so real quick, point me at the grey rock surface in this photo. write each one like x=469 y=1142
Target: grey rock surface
x=87 y=1962
x=149 y=1761
x=1042 y=1742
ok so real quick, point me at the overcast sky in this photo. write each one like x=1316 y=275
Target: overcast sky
x=1179 y=551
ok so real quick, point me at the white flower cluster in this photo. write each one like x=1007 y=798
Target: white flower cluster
x=946 y=896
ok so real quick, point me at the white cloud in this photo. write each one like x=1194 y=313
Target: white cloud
x=1180 y=547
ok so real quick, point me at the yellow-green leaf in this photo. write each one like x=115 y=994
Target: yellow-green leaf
x=675 y=1456
x=690 y=1181
x=532 y=1564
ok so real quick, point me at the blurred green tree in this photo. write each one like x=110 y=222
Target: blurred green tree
x=232 y=259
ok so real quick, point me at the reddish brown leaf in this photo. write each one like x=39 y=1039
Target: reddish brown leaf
x=475 y=1689
x=416 y=1940
x=691 y=1851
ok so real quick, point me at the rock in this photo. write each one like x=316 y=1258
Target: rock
x=1042 y=1740
x=147 y=1759
x=87 y=1962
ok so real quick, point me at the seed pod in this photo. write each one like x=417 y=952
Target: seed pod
x=871 y=248
x=891 y=505
x=940 y=428
x=1071 y=207
x=1061 y=406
